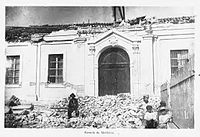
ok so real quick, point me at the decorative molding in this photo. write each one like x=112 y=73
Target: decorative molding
x=14 y=85
x=75 y=87
x=53 y=85
x=56 y=43
x=80 y=40
x=135 y=47
x=148 y=29
x=32 y=83
x=18 y=45
x=96 y=66
x=114 y=33
x=113 y=41
x=92 y=49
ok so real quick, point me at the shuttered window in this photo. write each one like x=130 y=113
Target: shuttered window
x=55 y=68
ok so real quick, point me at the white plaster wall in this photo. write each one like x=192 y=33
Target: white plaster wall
x=27 y=54
x=146 y=75
x=75 y=61
x=89 y=71
x=170 y=37
x=163 y=69
x=73 y=69
x=81 y=67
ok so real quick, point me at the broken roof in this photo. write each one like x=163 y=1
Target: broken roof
x=22 y=34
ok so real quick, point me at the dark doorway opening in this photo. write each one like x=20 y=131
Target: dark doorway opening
x=114 y=72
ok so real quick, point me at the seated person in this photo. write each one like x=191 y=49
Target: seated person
x=72 y=106
x=164 y=117
x=162 y=104
x=150 y=118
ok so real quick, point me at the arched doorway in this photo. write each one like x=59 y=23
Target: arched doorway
x=114 y=72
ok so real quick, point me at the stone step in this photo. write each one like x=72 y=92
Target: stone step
x=21 y=107
x=18 y=111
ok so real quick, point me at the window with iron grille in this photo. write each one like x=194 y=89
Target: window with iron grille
x=178 y=59
x=55 y=68
x=12 y=70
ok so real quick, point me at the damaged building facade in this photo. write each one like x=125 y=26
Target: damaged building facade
x=135 y=59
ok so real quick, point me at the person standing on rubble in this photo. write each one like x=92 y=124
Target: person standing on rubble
x=145 y=102
x=73 y=106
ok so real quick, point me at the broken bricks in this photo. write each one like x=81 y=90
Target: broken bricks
x=121 y=111
x=13 y=101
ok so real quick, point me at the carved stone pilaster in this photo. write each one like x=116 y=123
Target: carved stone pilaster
x=79 y=41
x=148 y=29
x=92 y=50
x=135 y=47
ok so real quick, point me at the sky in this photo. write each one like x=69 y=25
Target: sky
x=41 y=15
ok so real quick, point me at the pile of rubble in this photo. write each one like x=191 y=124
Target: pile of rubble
x=13 y=101
x=121 y=111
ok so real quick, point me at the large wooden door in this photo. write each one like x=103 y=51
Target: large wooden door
x=114 y=72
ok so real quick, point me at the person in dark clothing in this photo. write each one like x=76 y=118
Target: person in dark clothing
x=73 y=106
x=145 y=102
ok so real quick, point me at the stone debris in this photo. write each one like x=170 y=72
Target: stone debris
x=121 y=111
x=13 y=101
x=22 y=109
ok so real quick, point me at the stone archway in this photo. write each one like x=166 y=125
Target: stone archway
x=113 y=72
